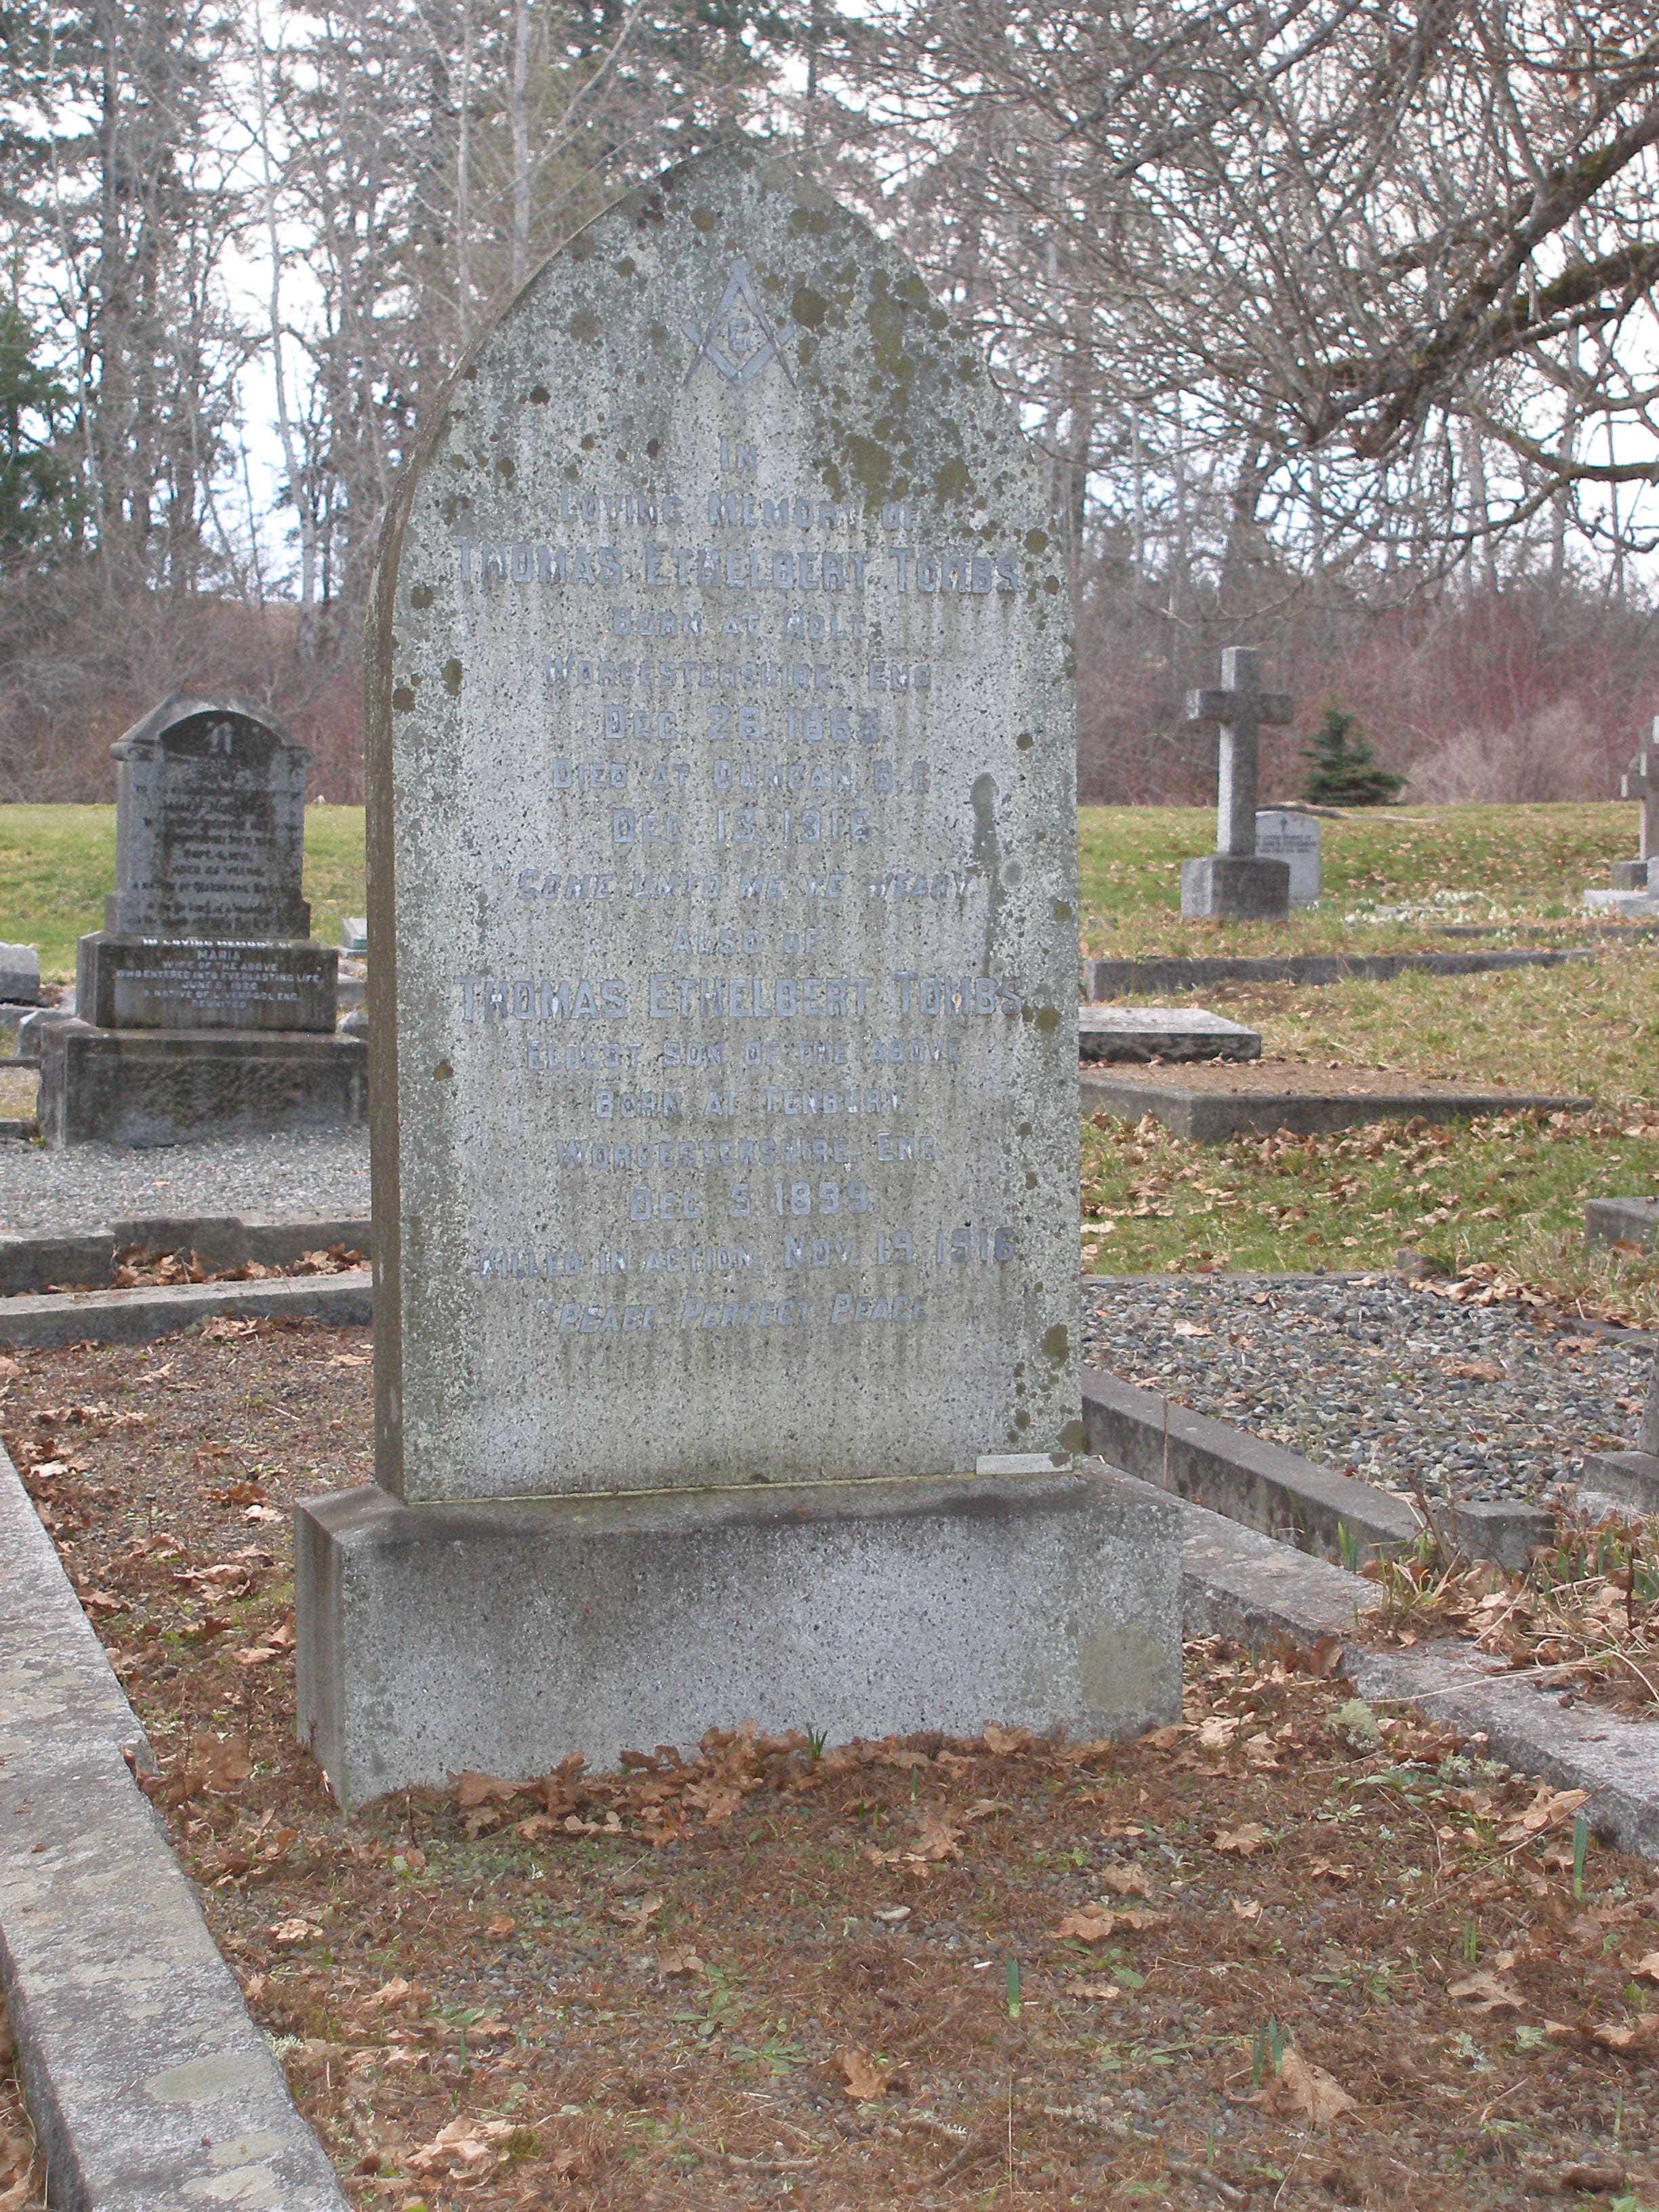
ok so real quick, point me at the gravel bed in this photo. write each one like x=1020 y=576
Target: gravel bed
x=1375 y=1379
x=282 y=1177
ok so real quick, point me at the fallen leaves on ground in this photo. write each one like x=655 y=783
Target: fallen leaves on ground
x=1309 y=2090
x=866 y=2080
x=1487 y=1993
x=1244 y=1841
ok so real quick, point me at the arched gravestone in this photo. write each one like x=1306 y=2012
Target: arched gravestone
x=210 y=817
x=207 y=927
x=722 y=884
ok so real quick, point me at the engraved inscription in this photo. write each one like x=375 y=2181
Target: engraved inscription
x=725 y=811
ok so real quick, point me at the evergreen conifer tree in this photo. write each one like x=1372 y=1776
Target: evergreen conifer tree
x=1342 y=769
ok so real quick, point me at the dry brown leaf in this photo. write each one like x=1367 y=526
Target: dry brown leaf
x=288 y=1933
x=1004 y=1742
x=1090 y=1926
x=1244 y=1841
x=637 y=1916
x=1247 y=1908
x=1546 y=1809
x=865 y=2079
x=472 y=1789
x=220 y=1763
x=937 y=1841
x=1311 y=2090
x=1109 y=1990
x=1124 y=1881
x=1646 y=1969
x=1637 y=2035
x=679 y=1960
x=463 y=2142
x=499 y=1928
x=1487 y=1993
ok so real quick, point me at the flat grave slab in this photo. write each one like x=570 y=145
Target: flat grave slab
x=1146 y=1033
x=1209 y=1104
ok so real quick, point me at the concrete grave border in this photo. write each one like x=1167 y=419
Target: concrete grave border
x=150 y=2086
x=1214 y=1117
x=1240 y=1581
x=1252 y=1591
x=38 y=1324
x=85 y=1258
x=1294 y=1502
x=1621 y=1220
x=1115 y=979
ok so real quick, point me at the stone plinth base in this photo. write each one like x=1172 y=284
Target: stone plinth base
x=144 y=1087
x=204 y=983
x=1235 y=887
x=1631 y=1476
x=436 y=1638
x=1624 y=906
x=1630 y=876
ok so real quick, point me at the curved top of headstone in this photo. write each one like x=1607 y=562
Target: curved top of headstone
x=722 y=879
x=183 y=723
x=209 y=824
x=734 y=274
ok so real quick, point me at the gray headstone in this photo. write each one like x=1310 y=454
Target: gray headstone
x=20 y=976
x=210 y=826
x=722 y=857
x=353 y=934
x=206 y=927
x=1283 y=834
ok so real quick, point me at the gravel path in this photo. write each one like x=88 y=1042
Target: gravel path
x=284 y=1177
x=1375 y=1379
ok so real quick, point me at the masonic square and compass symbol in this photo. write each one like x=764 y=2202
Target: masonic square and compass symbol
x=739 y=340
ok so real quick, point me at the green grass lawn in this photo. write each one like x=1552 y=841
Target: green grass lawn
x=57 y=863
x=1516 y=865
x=1506 y=1196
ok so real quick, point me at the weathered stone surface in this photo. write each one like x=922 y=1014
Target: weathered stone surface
x=144 y=1087
x=34 y=1027
x=723 y=880
x=1265 y=1487
x=1282 y=833
x=1621 y=1220
x=1638 y=905
x=20 y=976
x=1630 y=875
x=196 y=983
x=353 y=934
x=210 y=826
x=1227 y=887
x=1204 y=1115
x=149 y=2087
x=1143 y=1033
x=606 y=1624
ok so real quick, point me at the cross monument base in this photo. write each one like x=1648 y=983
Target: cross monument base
x=1235 y=887
x=1630 y=875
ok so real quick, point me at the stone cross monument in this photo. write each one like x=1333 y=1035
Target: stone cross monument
x=723 y=1014
x=1641 y=780
x=1235 y=883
